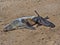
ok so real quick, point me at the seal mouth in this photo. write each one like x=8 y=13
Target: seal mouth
x=5 y=30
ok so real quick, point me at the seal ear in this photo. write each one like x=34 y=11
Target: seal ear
x=46 y=17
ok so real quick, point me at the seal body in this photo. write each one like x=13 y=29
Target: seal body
x=28 y=22
x=25 y=22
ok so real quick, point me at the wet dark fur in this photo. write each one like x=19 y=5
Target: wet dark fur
x=43 y=21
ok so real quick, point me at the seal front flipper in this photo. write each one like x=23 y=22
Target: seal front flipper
x=29 y=26
x=28 y=23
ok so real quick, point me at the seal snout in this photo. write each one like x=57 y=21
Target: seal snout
x=8 y=28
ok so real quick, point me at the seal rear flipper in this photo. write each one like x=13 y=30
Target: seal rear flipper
x=46 y=17
x=47 y=23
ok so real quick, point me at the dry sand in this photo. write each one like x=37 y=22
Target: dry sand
x=12 y=9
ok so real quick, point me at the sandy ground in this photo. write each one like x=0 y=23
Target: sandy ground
x=12 y=9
